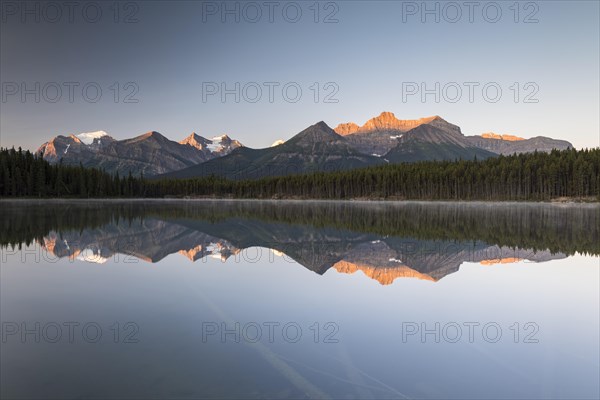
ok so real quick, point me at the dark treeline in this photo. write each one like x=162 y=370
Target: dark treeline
x=534 y=176
x=24 y=224
x=23 y=174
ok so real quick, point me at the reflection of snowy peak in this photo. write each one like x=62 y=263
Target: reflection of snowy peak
x=92 y=256
x=220 y=250
x=150 y=240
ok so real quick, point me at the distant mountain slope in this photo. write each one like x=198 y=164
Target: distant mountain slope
x=317 y=148
x=150 y=153
x=71 y=149
x=507 y=144
x=386 y=121
x=427 y=142
x=380 y=134
x=431 y=138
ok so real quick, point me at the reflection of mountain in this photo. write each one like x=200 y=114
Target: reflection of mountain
x=388 y=259
x=383 y=275
x=150 y=240
x=383 y=258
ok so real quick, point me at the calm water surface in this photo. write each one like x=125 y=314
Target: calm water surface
x=209 y=299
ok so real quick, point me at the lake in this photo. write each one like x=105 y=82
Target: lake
x=299 y=299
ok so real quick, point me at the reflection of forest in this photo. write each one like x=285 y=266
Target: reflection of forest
x=384 y=241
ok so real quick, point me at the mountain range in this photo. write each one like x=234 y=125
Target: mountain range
x=149 y=154
x=317 y=148
x=383 y=139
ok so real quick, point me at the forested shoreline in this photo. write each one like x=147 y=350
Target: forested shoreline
x=535 y=176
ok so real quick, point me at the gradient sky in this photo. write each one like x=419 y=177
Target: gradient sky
x=174 y=47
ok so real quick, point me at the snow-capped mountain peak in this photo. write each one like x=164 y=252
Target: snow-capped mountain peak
x=88 y=137
x=214 y=147
x=222 y=144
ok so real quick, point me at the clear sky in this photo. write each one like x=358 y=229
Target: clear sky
x=368 y=55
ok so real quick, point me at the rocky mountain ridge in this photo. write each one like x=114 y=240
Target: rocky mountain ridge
x=148 y=154
x=316 y=148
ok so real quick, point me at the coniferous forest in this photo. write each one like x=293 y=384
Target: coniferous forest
x=530 y=177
